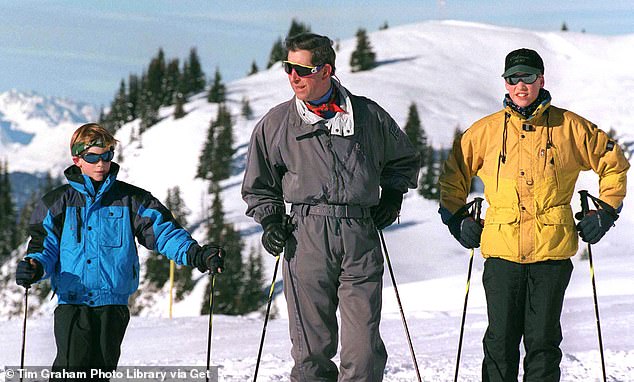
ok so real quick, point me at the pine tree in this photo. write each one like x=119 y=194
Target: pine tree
x=134 y=91
x=204 y=170
x=172 y=77
x=363 y=58
x=155 y=80
x=254 y=68
x=384 y=26
x=428 y=184
x=25 y=216
x=254 y=279
x=183 y=274
x=217 y=90
x=230 y=285
x=564 y=27
x=194 y=75
x=147 y=112
x=157 y=266
x=223 y=151
x=416 y=133
x=8 y=220
x=246 y=110
x=297 y=27
x=278 y=53
x=118 y=110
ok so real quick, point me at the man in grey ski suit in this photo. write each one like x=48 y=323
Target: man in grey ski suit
x=327 y=152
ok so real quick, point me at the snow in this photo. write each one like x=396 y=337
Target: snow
x=452 y=71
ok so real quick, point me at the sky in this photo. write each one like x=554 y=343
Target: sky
x=82 y=49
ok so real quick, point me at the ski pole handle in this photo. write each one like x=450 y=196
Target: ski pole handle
x=583 y=194
x=477 y=209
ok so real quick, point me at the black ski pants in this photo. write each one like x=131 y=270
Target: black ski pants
x=89 y=337
x=524 y=300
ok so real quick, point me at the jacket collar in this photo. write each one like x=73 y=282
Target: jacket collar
x=84 y=185
x=341 y=124
x=533 y=112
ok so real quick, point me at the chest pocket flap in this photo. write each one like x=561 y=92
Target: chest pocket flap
x=111 y=224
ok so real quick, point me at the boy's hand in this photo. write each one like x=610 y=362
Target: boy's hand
x=209 y=257
x=27 y=272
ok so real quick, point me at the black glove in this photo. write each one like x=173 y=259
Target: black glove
x=277 y=229
x=595 y=224
x=28 y=271
x=209 y=257
x=388 y=209
x=466 y=230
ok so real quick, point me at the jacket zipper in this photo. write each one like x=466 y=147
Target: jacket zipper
x=79 y=223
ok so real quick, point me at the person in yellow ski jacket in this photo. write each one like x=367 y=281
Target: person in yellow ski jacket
x=528 y=155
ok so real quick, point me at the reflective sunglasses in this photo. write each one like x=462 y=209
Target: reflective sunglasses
x=301 y=70
x=525 y=78
x=93 y=158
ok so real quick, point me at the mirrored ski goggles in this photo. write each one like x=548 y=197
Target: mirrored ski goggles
x=525 y=78
x=301 y=70
x=93 y=158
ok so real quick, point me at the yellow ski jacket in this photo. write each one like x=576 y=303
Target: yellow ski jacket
x=529 y=168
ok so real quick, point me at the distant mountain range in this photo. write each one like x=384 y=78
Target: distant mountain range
x=33 y=126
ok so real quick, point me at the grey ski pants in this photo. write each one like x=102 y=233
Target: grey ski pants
x=334 y=262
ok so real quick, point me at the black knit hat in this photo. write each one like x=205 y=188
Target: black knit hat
x=523 y=61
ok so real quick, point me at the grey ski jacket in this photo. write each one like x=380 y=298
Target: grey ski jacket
x=290 y=160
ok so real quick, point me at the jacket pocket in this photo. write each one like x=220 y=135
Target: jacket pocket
x=556 y=233
x=552 y=165
x=559 y=215
x=501 y=232
x=111 y=221
x=498 y=216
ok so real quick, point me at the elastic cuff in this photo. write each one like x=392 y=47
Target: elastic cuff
x=191 y=253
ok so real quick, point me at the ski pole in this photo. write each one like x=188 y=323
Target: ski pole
x=266 y=317
x=212 y=287
x=584 y=210
x=476 y=214
x=400 y=306
x=26 y=311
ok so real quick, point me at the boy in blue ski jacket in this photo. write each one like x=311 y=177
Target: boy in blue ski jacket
x=83 y=238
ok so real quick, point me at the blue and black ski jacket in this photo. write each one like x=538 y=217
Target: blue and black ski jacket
x=85 y=239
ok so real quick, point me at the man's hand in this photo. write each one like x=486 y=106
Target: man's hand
x=594 y=225
x=466 y=230
x=388 y=209
x=28 y=271
x=276 y=232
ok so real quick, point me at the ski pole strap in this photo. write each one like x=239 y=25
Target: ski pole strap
x=598 y=203
x=463 y=211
